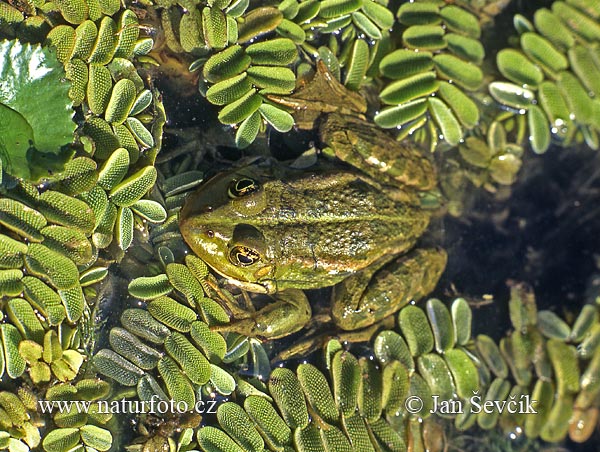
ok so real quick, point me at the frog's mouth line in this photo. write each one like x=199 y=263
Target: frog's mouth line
x=252 y=287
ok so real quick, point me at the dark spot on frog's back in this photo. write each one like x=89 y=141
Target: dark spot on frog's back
x=287 y=213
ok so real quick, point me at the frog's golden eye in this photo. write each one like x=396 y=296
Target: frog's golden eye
x=242 y=256
x=242 y=187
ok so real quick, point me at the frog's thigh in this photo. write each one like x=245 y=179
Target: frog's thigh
x=289 y=313
x=369 y=296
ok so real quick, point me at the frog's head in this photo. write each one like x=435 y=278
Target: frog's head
x=216 y=222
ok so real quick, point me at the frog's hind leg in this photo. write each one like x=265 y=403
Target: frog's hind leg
x=381 y=290
x=377 y=153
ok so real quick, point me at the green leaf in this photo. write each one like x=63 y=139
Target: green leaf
x=36 y=113
x=16 y=136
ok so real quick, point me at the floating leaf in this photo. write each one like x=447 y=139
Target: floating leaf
x=229 y=90
x=189 y=358
x=337 y=8
x=517 y=68
x=460 y=72
x=358 y=64
x=211 y=438
x=461 y=21
x=69 y=242
x=121 y=101
x=542 y=52
x=143 y=101
x=366 y=25
x=98 y=88
x=279 y=119
x=226 y=64
x=141 y=323
x=124 y=227
x=416 y=330
x=426 y=37
x=462 y=106
x=33 y=95
x=150 y=210
x=396 y=116
x=275 y=80
x=130 y=347
x=59 y=270
x=114 y=169
x=239 y=110
x=538 y=129
x=418 y=13
x=445 y=120
x=66 y=211
x=512 y=95
x=61 y=439
x=118 y=368
x=171 y=313
x=410 y=88
x=291 y=30
x=379 y=14
x=248 y=130
x=259 y=21
x=11 y=252
x=96 y=437
x=178 y=386
x=134 y=187
x=275 y=52
x=24 y=318
x=214 y=27
x=79 y=176
x=15 y=364
x=139 y=131
x=551 y=27
x=128 y=34
x=465 y=47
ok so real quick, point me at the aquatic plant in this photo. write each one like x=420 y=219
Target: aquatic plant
x=76 y=428
x=440 y=42
x=19 y=429
x=180 y=303
x=553 y=74
x=58 y=238
x=360 y=403
x=32 y=93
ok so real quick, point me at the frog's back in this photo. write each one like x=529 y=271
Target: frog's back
x=304 y=230
x=336 y=222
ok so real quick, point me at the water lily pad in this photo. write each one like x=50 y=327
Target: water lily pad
x=35 y=110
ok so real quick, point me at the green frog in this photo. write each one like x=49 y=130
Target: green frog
x=273 y=229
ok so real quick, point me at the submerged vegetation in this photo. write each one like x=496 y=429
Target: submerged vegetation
x=86 y=200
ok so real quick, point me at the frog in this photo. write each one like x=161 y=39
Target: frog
x=352 y=223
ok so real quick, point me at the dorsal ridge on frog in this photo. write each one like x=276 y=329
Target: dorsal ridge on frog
x=269 y=228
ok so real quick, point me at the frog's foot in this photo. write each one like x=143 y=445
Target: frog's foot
x=289 y=313
x=382 y=289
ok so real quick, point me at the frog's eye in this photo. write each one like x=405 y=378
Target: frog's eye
x=242 y=187
x=242 y=256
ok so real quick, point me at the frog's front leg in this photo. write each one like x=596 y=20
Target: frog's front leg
x=383 y=288
x=289 y=313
